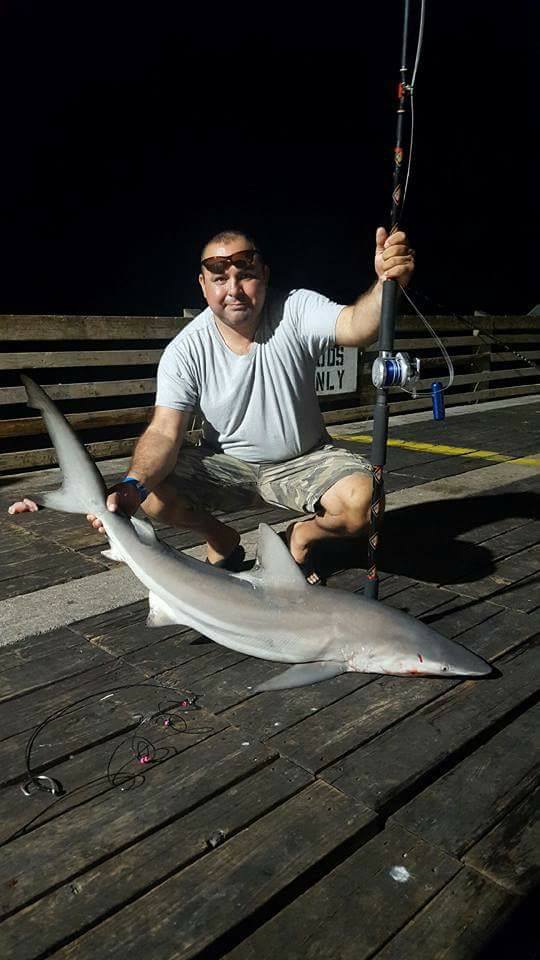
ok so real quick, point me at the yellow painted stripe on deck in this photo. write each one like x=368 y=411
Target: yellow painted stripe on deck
x=443 y=450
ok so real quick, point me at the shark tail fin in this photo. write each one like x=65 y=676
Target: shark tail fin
x=83 y=487
x=66 y=498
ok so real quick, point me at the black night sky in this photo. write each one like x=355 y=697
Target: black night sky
x=131 y=133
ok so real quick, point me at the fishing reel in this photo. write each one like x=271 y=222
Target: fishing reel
x=400 y=370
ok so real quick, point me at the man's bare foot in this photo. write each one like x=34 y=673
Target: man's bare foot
x=298 y=544
x=23 y=506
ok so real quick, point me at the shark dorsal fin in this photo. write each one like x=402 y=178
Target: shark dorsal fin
x=275 y=566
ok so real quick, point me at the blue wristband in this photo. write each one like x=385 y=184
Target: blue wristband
x=140 y=488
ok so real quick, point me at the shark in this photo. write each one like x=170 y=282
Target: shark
x=269 y=612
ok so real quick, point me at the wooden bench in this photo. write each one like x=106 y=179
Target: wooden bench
x=102 y=372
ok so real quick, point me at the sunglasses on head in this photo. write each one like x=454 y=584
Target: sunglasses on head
x=242 y=259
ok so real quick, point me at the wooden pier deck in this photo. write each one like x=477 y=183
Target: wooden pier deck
x=363 y=817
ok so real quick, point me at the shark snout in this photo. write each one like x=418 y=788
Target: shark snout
x=456 y=662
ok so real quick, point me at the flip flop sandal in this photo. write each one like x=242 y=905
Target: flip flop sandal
x=232 y=563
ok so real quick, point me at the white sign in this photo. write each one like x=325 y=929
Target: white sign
x=337 y=371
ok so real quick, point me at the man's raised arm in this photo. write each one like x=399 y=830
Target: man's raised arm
x=357 y=325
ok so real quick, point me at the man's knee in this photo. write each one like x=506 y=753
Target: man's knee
x=351 y=497
x=167 y=503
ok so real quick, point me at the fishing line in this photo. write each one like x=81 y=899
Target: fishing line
x=410 y=88
x=444 y=351
x=142 y=751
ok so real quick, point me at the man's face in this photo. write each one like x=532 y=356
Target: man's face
x=237 y=296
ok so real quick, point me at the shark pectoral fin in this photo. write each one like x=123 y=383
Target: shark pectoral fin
x=113 y=554
x=160 y=615
x=303 y=674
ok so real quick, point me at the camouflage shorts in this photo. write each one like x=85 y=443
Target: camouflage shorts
x=217 y=481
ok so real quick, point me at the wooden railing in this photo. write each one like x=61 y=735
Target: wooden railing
x=101 y=370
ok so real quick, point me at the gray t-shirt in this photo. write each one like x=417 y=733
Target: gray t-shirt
x=262 y=406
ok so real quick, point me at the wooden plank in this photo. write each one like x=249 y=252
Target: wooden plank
x=505 y=357
x=445 y=322
x=483 y=375
x=426 y=342
x=36 y=547
x=185 y=652
x=497 y=635
x=44 y=556
x=519 y=343
x=501 y=323
x=321 y=738
x=460 y=807
x=34 y=360
x=91 y=420
x=71 y=567
x=417 y=748
x=454 y=465
x=14 y=537
x=459 y=615
x=268 y=715
x=524 y=595
x=510 y=853
x=59 y=915
x=37 y=652
x=77 y=537
x=67 y=656
x=38 y=327
x=506 y=572
x=35 y=704
x=122 y=636
x=117 y=819
x=514 y=541
x=23 y=459
x=484 y=532
x=69 y=326
x=192 y=909
x=47 y=457
x=102 y=624
x=195 y=669
x=79 y=391
x=461 y=923
x=356 y=908
x=362 y=412
x=418 y=600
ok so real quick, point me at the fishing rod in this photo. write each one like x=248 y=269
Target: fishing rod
x=391 y=369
